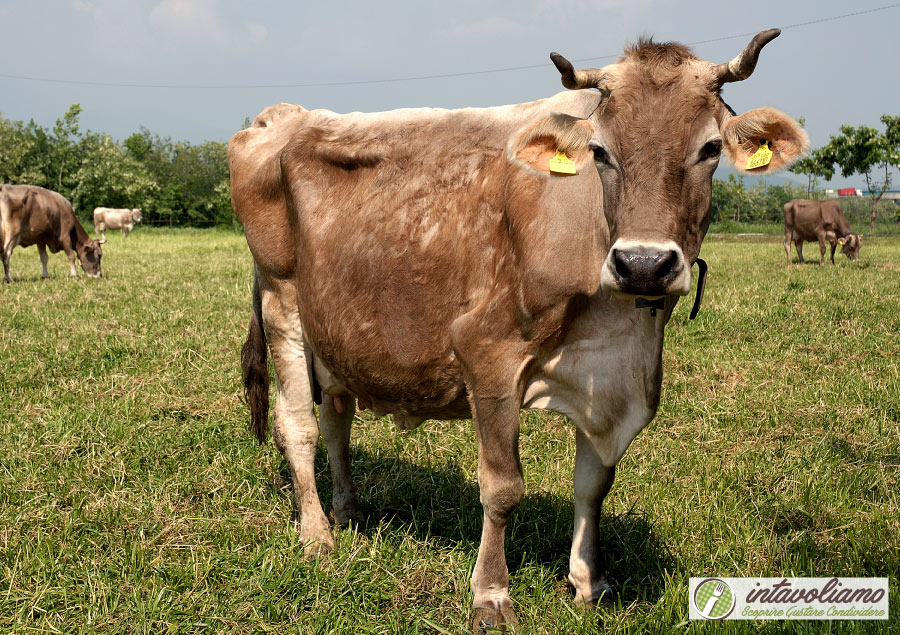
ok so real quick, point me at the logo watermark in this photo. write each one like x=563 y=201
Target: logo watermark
x=788 y=599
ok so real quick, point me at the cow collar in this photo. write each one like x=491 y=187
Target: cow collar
x=701 y=285
x=659 y=303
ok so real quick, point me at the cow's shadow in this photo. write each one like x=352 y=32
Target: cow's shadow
x=440 y=504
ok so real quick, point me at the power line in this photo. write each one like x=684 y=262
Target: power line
x=412 y=78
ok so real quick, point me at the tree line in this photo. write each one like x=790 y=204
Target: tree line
x=177 y=183
x=172 y=182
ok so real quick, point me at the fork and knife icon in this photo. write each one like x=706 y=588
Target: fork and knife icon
x=711 y=602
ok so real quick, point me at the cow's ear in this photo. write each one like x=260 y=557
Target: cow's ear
x=560 y=139
x=782 y=135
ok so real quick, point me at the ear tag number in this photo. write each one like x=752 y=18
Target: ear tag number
x=761 y=157
x=561 y=164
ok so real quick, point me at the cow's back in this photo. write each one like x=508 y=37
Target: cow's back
x=257 y=194
x=396 y=227
x=41 y=216
x=112 y=218
x=803 y=218
x=385 y=243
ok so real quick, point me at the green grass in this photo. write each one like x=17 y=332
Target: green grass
x=882 y=228
x=133 y=499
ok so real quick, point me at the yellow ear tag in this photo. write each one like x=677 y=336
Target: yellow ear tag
x=761 y=157
x=561 y=164
x=841 y=241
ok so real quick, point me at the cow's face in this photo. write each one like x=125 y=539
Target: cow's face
x=89 y=255
x=136 y=215
x=850 y=245
x=657 y=137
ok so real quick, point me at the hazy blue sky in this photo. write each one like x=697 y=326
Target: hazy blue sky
x=831 y=72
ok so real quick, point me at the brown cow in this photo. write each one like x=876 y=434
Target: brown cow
x=818 y=220
x=114 y=218
x=32 y=215
x=431 y=264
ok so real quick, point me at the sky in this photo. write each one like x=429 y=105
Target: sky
x=192 y=69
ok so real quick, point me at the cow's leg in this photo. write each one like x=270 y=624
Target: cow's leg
x=6 y=249
x=502 y=487
x=42 y=251
x=492 y=362
x=592 y=483
x=833 y=247
x=799 y=244
x=787 y=245
x=295 y=431
x=4 y=255
x=821 y=251
x=335 y=427
x=70 y=253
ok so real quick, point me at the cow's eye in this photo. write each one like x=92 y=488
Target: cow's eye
x=711 y=150
x=600 y=154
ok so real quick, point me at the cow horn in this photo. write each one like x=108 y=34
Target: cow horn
x=576 y=79
x=741 y=67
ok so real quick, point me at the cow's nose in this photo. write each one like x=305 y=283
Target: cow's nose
x=643 y=270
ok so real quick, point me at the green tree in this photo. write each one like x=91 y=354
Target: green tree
x=863 y=150
x=64 y=159
x=16 y=145
x=107 y=176
x=814 y=167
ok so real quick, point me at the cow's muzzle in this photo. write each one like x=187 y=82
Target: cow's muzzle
x=649 y=270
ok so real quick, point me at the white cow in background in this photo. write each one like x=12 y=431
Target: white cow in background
x=110 y=218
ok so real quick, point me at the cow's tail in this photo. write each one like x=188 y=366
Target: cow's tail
x=255 y=369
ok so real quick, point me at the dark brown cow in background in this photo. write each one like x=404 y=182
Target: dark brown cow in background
x=823 y=221
x=440 y=264
x=32 y=215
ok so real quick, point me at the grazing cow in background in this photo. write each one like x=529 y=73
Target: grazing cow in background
x=439 y=264
x=818 y=220
x=31 y=215
x=110 y=218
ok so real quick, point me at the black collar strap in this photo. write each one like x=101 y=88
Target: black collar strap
x=701 y=285
x=654 y=305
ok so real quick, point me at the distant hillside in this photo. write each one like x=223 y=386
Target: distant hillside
x=781 y=178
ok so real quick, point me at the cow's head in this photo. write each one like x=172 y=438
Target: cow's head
x=850 y=245
x=89 y=255
x=136 y=215
x=656 y=138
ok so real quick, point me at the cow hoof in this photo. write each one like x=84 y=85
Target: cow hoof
x=344 y=515
x=491 y=620
x=318 y=542
x=318 y=549
x=603 y=598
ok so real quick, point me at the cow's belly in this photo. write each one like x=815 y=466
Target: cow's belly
x=362 y=365
x=30 y=236
x=377 y=305
x=391 y=350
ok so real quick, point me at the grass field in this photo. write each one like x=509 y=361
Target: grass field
x=133 y=499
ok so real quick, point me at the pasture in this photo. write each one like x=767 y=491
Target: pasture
x=134 y=499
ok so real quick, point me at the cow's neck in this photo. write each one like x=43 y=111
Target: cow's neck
x=607 y=373
x=77 y=235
